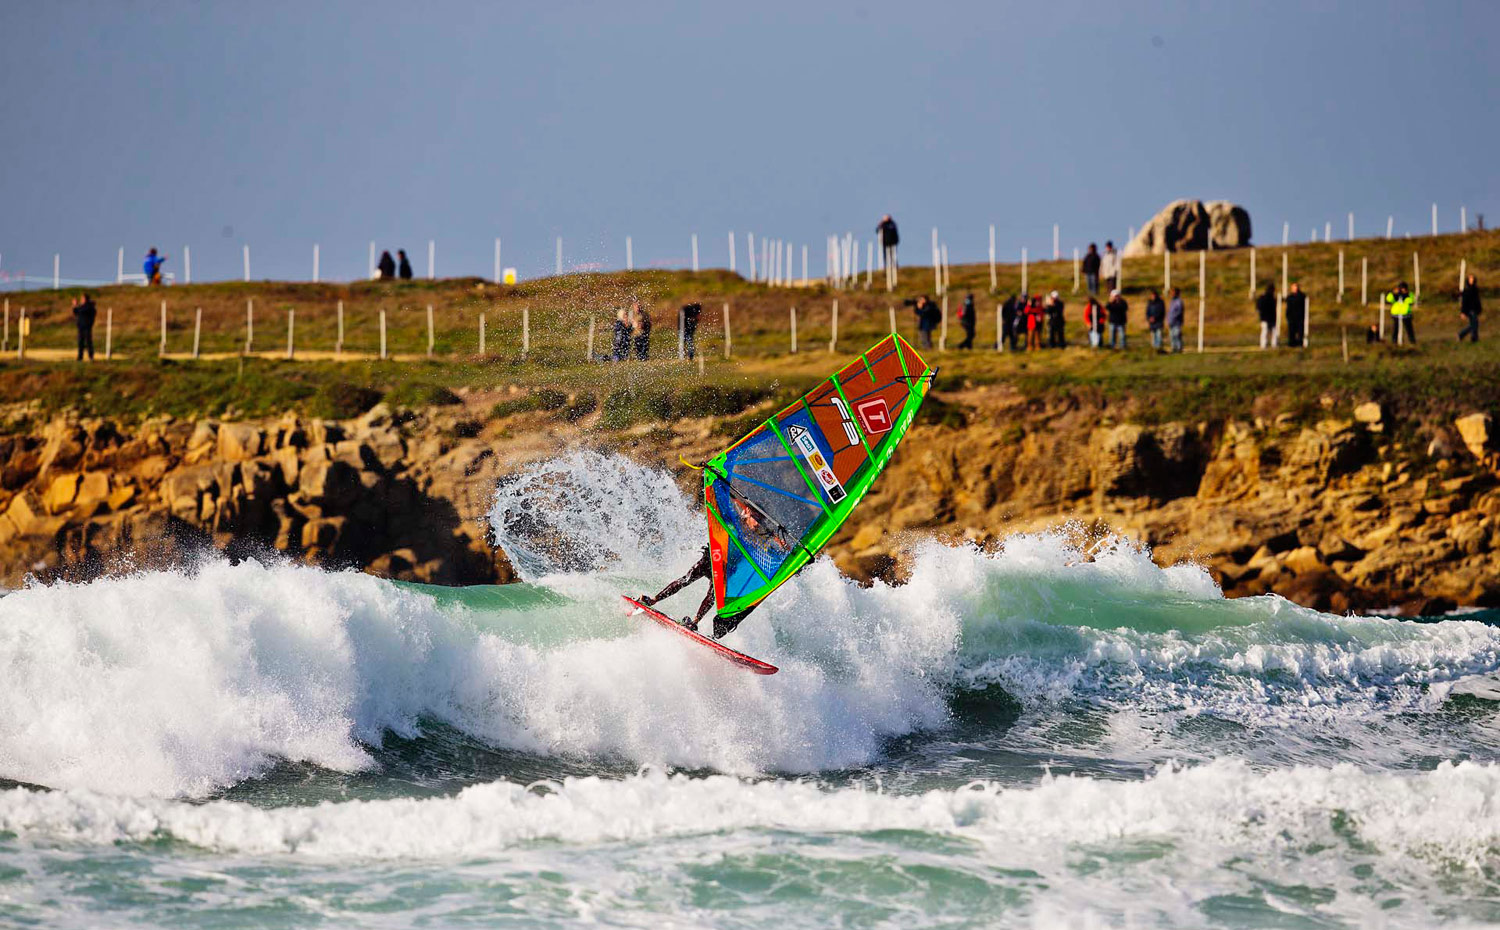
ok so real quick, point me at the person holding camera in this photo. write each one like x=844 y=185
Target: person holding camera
x=929 y=315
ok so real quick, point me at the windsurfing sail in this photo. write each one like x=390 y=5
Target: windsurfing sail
x=776 y=497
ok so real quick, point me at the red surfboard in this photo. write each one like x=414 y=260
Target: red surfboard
x=723 y=651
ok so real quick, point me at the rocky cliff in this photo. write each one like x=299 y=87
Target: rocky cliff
x=1334 y=512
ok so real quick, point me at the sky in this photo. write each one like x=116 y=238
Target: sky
x=279 y=125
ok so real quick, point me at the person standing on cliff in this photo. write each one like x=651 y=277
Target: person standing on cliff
x=640 y=325
x=84 y=313
x=1469 y=308
x=1093 y=321
x=1110 y=267
x=152 y=266
x=1008 y=324
x=1055 y=336
x=1296 y=316
x=1118 y=311
x=1156 y=316
x=386 y=267
x=690 y=314
x=404 y=271
x=1091 y=270
x=890 y=237
x=620 y=344
x=1402 y=304
x=1265 y=308
x=1176 y=315
x=968 y=318
x=928 y=316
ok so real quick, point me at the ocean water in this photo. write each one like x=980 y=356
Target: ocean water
x=1043 y=735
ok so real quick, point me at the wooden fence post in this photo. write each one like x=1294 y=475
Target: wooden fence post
x=382 y=334
x=1345 y=338
x=291 y=330
x=994 y=281
x=695 y=252
x=1341 y=276
x=794 y=330
x=1364 y=281
x=891 y=309
x=1463 y=272
x=943 y=333
x=197 y=329
x=833 y=340
x=999 y=328
x=525 y=331
x=1166 y=272
x=109 y=332
x=728 y=337
x=161 y=348
x=429 y=331
x=731 y=252
x=23 y=328
x=1306 y=322
x=481 y=333
x=1416 y=274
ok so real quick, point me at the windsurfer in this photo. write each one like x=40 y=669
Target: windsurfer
x=756 y=523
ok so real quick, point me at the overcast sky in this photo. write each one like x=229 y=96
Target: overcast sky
x=279 y=125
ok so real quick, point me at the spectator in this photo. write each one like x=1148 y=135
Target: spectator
x=620 y=350
x=1093 y=321
x=640 y=325
x=968 y=318
x=690 y=313
x=84 y=313
x=1176 y=315
x=889 y=239
x=1008 y=322
x=386 y=266
x=1402 y=304
x=928 y=316
x=1372 y=335
x=152 y=266
x=1034 y=316
x=1468 y=307
x=1110 y=267
x=1091 y=270
x=1156 y=316
x=1117 y=309
x=1296 y=316
x=405 y=272
x=1055 y=337
x=1265 y=308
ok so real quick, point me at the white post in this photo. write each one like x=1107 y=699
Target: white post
x=681 y=352
x=1364 y=281
x=249 y=324
x=1056 y=232
x=1252 y=273
x=525 y=331
x=750 y=246
x=371 y=272
x=109 y=330
x=338 y=346
x=559 y=255
x=197 y=329
x=731 y=252
x=1281 y=301
x=891 y=309
x=498 y=278
x=247 y=263
x=382 y=334
x=943 y=331
x=315 y=263
x=1286 y=233
x=56 y=271
x=1434 y=219
x=120 y=267
x=431 y=260
x=804 y=266
x=1351 y=226
x=1307 y=322
x=869 y=263
x=1328 y=231
x=1166 y=272
x=161 y=347
x=291 y=329
x=1390 y=226
x=728 y=339
x=1416 y=274
x=994 y=281
x=1341 y=276
x=21 y=328
x=794 y=330
x=1463 y=219
x=1024 y=271
x=629 y=255
x=1077 y=268
x=187 y=265
x=999 y=328
x=833 y=340
x=947 y=270
x=429 y=331
x=481 y=332
x=588 y=352
x=1463 y=272
x=695 y=251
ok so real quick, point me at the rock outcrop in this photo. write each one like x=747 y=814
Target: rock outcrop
x=1192 y=226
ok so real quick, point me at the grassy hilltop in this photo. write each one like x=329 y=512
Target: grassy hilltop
x=1228 y=380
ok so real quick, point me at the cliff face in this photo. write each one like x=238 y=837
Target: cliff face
x=1335 y=514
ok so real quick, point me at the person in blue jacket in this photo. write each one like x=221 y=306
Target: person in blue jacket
x=152 y=266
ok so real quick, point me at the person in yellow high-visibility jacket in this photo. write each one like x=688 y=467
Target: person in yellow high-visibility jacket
x=1402 y=304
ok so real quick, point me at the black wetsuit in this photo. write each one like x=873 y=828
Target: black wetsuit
x=703 y=568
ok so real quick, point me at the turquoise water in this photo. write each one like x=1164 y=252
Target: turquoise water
x=1043 y=735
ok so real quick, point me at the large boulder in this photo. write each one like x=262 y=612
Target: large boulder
x=1192 y=226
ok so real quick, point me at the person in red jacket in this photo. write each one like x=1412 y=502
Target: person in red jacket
x=1034 y=316
x=1093 y=321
